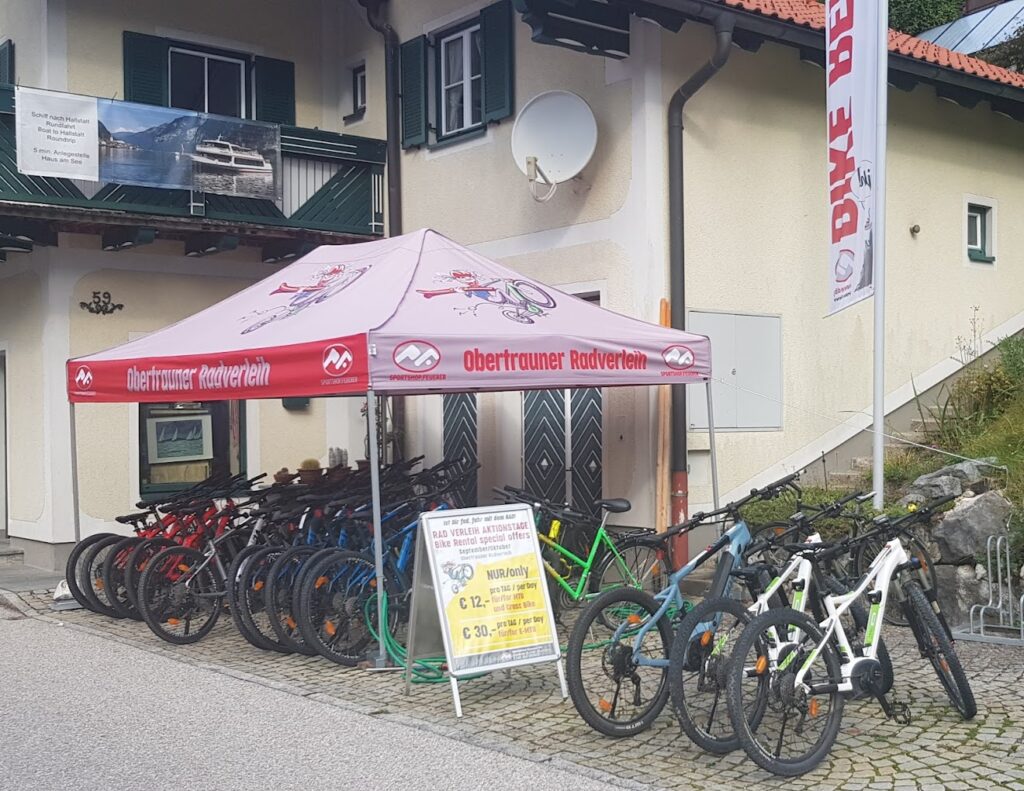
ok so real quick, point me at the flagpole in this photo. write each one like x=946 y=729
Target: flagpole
x=878 y=254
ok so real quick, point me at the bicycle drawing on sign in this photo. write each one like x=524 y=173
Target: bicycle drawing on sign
x=459 y=573
x=327 y=282
x=519 y=299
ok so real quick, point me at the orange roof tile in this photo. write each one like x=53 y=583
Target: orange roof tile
x=811 y=14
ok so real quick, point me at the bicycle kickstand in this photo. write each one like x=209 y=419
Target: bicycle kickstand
x=895 y=710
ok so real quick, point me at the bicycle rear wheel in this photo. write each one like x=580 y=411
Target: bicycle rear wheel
x=239 y=593
x=73 y=569
x=114 y=578
x=279 y=594
x=93 y=585
x=697 y=672
x=762 y=673
x=252 y=599
x=144 y=552
x=936 y=648
x=613 y=692
x=180 y=595
x=640 y=564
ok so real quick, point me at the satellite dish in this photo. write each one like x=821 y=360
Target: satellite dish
x=553 y=139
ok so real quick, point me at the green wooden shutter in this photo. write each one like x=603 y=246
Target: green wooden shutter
x=145 y=69
x=275 y=91
x=498 y=39
x=7 y=63
x=414 y=92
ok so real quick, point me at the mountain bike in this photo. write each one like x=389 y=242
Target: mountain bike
x=618 y=652
x=704 y=639
x=798 y=673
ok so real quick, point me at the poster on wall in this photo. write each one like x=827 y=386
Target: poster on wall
x=852 y=44
x=148 y=146
x=57 y=135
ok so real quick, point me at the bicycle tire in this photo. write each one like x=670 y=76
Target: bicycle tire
x=250 y=596
x=770 y=623
x=335 y=595
x=114 y=577
x=278 y=597
x=72 y=572
x=932 y=640
x=167 y=600
x=616 y=656
x=137 y=563
x=644 y=561
x=708 y=661
x=915 y=548
x=235 y=583
x=92 y=567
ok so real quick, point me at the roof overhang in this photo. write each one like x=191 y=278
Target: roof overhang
x=577 y=25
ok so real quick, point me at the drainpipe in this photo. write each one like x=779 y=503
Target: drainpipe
x=724 y=24
x=376 y=18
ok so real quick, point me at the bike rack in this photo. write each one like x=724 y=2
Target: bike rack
x=1001 y=618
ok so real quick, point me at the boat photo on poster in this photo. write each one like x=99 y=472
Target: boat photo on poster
x=180 y=149
x=177 y=439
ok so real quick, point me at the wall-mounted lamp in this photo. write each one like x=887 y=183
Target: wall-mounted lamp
x=126 y=238
x=210 y=244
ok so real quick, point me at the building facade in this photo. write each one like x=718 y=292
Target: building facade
x=791 y=384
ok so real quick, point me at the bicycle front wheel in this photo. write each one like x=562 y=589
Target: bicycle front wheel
x=638 y=565
x=611 y=688
x=785 y=728
x=915 y=549
x=936 y=648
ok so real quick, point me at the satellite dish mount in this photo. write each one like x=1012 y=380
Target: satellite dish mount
x=553 y=139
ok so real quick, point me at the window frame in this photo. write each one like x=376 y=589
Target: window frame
x=206 y=54
x=438 y=40
x=984 y=209
x=359 y=92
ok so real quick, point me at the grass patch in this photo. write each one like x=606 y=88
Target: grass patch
x=782 y=508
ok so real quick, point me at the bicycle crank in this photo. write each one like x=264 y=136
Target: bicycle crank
x=895 y=710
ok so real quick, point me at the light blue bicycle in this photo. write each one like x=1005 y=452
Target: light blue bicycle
x=618 y=654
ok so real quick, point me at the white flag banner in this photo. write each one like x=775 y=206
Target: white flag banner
x=851 y=36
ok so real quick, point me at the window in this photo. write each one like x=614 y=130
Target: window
x=457 y=80
x=748 y=371
x=207 y=83
x=460 y=81
x=980 y=221
x=183 y=443
x=359 y=89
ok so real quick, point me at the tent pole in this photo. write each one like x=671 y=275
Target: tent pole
x=711 y=443
x=74 y=474
x=378 y=539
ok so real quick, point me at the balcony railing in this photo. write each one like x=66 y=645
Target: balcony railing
x=332 y=183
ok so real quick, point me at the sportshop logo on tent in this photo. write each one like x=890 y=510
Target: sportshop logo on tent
x=851 y=88
x=83 y=377
x=416 y=357
x=337 y=360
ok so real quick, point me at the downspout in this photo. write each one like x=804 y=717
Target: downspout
x=724 y=25
x=376 y=18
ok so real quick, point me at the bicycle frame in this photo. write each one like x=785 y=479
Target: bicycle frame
x=883 y=568
x=600 y=539
x=736 y=539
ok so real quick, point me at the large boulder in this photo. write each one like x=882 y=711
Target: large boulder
x=954 y=480
x=937 y=484
x=963 y=533
x=959 y=589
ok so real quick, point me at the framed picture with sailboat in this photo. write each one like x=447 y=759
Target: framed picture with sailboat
x=179 y=438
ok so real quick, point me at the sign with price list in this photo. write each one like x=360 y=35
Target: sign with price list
x=489 y=593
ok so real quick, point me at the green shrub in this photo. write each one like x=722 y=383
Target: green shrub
x=781 y=508
x=1011 y=354
x=976 y=399
x=903 y=465
x=916 y=16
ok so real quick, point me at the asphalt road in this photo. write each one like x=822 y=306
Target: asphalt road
x=79 y=713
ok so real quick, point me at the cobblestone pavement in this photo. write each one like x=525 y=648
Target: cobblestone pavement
x=523 y=715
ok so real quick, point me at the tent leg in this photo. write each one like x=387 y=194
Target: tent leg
x=378 y=539
x=74 y=474
x=711 y=444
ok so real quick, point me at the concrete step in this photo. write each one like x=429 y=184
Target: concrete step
x=851 y=480
x=928 y=425
x=920 y=437
x=696 y=584
x=9 y=554
x=861 y=463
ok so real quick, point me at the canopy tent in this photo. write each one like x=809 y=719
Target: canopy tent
x=411 y=314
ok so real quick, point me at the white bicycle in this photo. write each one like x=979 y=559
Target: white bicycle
x=789 y=676
x=704 y=639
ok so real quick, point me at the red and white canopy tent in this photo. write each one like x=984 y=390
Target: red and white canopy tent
x=413 y=314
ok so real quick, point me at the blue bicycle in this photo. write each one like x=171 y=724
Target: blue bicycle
x=618 y=654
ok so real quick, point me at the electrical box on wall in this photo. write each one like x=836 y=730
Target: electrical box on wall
x=295 y=404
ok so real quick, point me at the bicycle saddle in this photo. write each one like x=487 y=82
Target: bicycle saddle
x=128 y=519
x=616 y=505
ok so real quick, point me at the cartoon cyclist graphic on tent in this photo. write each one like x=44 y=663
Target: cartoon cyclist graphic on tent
x=520 y=300
x=324 y=284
